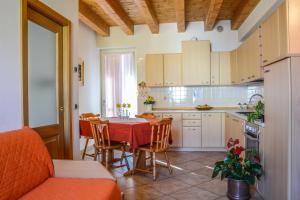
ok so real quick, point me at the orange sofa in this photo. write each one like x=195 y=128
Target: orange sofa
x=27 y=172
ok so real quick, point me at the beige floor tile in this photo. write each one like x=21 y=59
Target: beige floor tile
x=146 y=192
x=215 y=186
x=192 y=178
x=165 y=198
x=206 y=171
x=194 y=193
x=190 y=166
x=170 y=185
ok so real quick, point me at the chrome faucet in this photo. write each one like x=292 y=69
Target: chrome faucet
x=255 y=95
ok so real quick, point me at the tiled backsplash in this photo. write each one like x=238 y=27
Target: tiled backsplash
x=223 y=96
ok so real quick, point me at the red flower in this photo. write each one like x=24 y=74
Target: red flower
x=236 y=141
x=230 y=143
x=238 y=150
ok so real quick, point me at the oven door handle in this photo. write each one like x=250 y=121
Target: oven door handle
x=251 y=138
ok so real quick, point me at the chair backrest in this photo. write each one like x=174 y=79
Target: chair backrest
x=86 y=116
x=160 y=133
x=146 y=116
x=100 y=133
x=24 y=162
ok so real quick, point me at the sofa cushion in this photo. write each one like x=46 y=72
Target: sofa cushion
x=80 y=169
x=24 y=162
x=75 y=189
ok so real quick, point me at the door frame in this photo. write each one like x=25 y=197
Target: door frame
x=67 y=75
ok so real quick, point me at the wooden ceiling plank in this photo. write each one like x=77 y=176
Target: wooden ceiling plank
x=180 y=15
x=242 y=12
x=212 y=14
x=92 y=20
x=148 y=13
x=117 y=14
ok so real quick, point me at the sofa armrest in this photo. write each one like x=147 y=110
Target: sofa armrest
x=80 y=169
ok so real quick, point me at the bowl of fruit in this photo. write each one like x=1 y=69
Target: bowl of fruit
x=204 y=107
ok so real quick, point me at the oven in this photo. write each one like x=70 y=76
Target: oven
x=251 y=132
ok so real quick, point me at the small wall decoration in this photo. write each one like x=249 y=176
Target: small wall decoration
x=142 y=89
x=81 y=73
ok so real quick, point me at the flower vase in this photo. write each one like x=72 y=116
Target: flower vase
x=148 y=107
x=238 y=190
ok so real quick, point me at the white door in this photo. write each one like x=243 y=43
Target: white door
x=119 y=84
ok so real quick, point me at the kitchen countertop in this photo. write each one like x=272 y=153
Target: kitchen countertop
x=232 y=111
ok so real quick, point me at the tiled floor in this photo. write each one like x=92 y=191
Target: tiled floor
x=191 y=179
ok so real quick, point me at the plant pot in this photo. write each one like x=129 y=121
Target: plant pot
x=148 y=107
x=238 y=190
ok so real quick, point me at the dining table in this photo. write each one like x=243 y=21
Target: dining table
x=134 y=131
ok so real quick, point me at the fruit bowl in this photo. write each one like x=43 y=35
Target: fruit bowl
x=204 y=107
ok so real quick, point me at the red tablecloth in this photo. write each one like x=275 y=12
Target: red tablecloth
x=135 y=133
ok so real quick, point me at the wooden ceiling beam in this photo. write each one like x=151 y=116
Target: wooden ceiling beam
x=212 y=14
x=242 y=12
x=148 y=13
x=180 y=15
x=92 y=20
x=117 y=14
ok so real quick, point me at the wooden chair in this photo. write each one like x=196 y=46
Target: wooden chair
x=87 y=116
x=102 y=143
x=146 y=116
x=160 y=133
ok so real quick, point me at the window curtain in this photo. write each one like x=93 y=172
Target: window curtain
x=120 y=82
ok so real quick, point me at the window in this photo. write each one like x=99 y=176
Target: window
x=119 y=82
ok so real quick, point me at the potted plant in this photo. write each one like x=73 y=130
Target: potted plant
x=149 y=103
x=258 y=114
x=240 y=172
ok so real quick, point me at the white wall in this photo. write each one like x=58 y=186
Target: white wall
x=167 y=41
x=10 y=75
x=89 y=94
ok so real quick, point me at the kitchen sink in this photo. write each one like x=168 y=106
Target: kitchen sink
x=244 y=113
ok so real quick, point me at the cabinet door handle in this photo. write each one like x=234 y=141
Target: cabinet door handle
x=267 y=71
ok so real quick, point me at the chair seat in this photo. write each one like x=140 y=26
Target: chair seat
x=75 y=189
x=154 y=148
x=113 y=145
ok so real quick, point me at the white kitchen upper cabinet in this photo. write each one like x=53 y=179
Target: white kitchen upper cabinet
x=176 y=129
x=154 y=69
x=196 y=62
x=172 y=69
x=212 y=133
x=225 y=68
x=215 y=68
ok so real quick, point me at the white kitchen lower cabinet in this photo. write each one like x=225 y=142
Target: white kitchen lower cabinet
x=191 y=122
x=176 y=130
x=191 y=136
x=212 y=130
